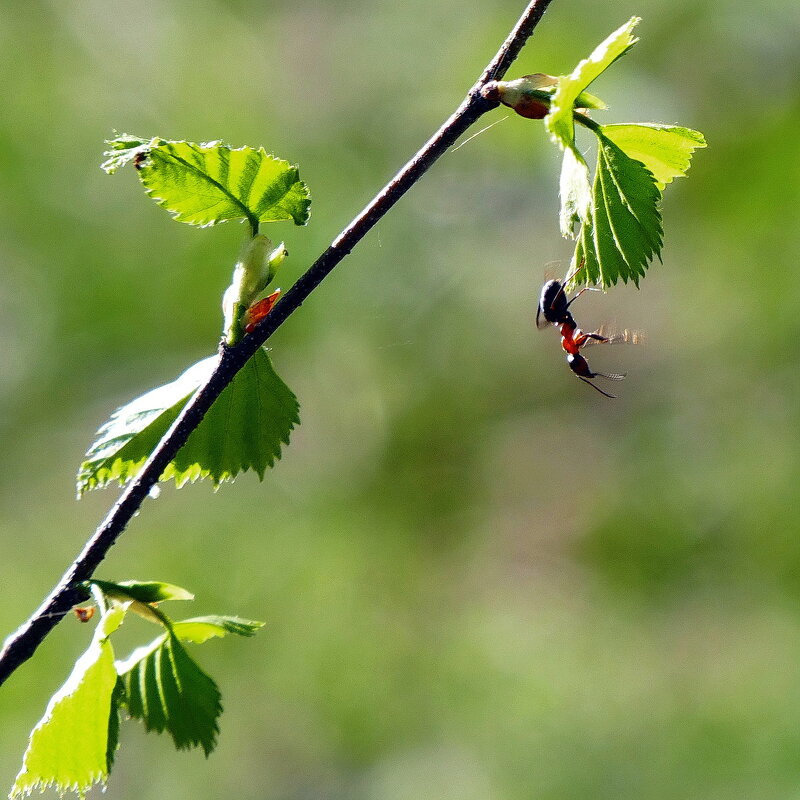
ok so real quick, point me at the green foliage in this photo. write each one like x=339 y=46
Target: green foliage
x=72 y=747
x=560 y=122
x=244 y=429
x=142 y=591
x=574 y=184
x=205 y=184
x=623 y=230
x=666 y=150
x=201 y=629
x=575 y=191
x=619 y=212
x=167 y=690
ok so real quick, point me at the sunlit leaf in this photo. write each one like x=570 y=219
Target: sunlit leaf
x=167 y=690
x=623 y=230
x=244 y=429
x=666 y=150
x=72 y=747
x=201 y=629
x=575 y=191
x=559 y=122
x=204 y=184
x=143 y=591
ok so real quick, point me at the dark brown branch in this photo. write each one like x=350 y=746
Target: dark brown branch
x=21 y=645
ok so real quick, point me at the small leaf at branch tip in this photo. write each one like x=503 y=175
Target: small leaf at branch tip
x=559 y=122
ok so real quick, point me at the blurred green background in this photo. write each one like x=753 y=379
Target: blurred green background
x=480 y=578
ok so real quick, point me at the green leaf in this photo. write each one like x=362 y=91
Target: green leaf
x=244 y=429
x=559 y=122
x=143 y=591
x=666 y=150
x=71 y=747
x=623 y=230
x=167 y=690
x=575 y=191
x=117 y=699
x=201 y=629
x=208 y=183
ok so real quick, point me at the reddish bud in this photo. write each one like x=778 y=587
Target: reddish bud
x=528 y=96
x=259 y=310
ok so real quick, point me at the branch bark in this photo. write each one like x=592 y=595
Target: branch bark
x=21 y=645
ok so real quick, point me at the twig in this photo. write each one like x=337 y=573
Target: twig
x=20 y=646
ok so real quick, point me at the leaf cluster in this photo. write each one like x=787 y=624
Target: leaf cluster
x=73 y=746
x=618 y=212
x=203 y=185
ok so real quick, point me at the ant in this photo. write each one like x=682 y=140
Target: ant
x=554 y=307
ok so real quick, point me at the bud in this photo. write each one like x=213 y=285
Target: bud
x=254 y=271
x=530 y=95
x=259 y=310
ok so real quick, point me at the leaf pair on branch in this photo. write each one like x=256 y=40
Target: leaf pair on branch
x=203 y=185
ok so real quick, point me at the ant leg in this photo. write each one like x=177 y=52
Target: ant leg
x=597 y=388
x=585 y=289
x=583 y=338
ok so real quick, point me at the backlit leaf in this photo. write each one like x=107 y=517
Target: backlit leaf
x=167 y=690
x=575 y=191
x=666 y=150
x=201 y=629
x=244 y=429
x=623 y=230
x=208 y=183
x=72 y=747
x=559 y=122
x=143 y=591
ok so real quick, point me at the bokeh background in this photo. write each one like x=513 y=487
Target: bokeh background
x=481 y=579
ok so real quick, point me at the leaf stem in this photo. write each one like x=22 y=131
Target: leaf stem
x=21 y=645
x=587 y=122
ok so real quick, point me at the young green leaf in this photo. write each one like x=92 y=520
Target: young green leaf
x=575 y=191
x=244 y=429
x=623 y=230
x=167 y=690
x=72 y=747
x=142 y=591
x=559 y=122
x=142 y=596
x=208 y=183
x=201 y=629
x=666 y=150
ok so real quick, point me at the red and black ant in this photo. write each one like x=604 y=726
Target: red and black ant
x=554 y=307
